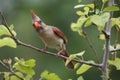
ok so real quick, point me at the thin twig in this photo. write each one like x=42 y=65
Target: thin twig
x=115 y=45
x=4 y=64
x=95 y=5
x=92 y=47
x=4 y=22
x=114 y=50
x=10 y=69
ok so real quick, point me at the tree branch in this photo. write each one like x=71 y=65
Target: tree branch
x=56 y=55
x=107 y=34
x=10 y=69
x=114 y=50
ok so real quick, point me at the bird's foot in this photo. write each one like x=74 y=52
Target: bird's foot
x=45 y=49
x=59 y=53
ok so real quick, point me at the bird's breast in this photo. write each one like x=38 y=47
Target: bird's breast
x=51 y=39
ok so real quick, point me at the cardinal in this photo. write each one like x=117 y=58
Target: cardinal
x=51 y=36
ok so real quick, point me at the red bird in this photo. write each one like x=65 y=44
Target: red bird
x=51 y=36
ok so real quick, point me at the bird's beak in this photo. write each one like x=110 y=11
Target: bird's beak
x=37 y=25
x=35 y=20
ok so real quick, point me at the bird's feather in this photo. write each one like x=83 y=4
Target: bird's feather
x=59 y=34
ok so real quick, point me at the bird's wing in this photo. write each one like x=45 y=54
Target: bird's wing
x=59 y=34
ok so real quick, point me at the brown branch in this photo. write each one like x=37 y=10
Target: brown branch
x=10 y=69
x=114 y=50
x=46 y=52
x=95 y=5
x=56 y=55
x=107 y=34
x=4 y=22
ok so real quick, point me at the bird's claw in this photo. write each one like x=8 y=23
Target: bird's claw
x=59 y=53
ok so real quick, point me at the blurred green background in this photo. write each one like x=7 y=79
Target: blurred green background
x=59 y=13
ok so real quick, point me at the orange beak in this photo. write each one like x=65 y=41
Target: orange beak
x=37 y=25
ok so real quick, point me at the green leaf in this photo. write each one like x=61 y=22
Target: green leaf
x=76 y=65
x=7 y=41
x=31 y=63
x=6 y=75
x=111 y=8
x=80 y=53
x=16 y=78
x=86 y=10
x=116 y=21
x=80 y=13
x=104 y=1
x=96 y=19
x=80 y=78
x=101 y=36
x=113 y=21
x=88 y=5
x=49 y=76
x=25 y=66
x=100 y=20
x=115 y=63
x=75 y=27
x=24 y=69
x=79 y=6
x=83 y=69
x=80 y=22
x=28 y=77
x=80 y=32
x=91 y=5
x=88 y=22
x=12 y=29
x=71 y=57
x=4 y=31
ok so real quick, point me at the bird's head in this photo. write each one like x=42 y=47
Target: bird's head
x=36 y=21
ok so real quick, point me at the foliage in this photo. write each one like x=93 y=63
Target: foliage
x=90 y=15
x=5 y=39
x=115 y=63
x=48 y=76
x=24 y=69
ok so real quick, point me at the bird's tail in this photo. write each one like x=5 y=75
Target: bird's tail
x=70 y=64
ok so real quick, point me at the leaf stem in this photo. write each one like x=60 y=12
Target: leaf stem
x=91 y=46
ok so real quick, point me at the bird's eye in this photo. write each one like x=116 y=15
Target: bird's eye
x=40 y=21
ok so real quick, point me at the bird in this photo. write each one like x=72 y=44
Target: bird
x=51 y=36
